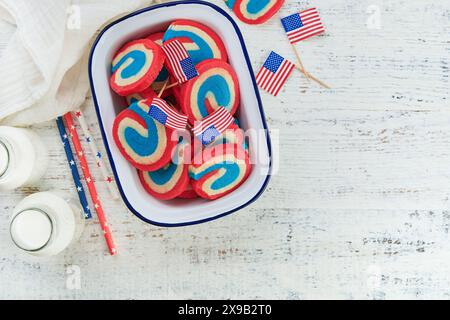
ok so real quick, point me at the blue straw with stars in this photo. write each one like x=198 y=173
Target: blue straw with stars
x=73 y=168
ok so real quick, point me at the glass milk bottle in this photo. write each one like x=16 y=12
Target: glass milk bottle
x=46 y=223
x=23 y=157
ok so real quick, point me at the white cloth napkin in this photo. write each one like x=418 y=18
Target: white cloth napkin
x=43 y=68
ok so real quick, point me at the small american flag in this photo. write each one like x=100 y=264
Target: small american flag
x=162 y=112
x=274 y=73
x=303 y=25
x=213 y=125
x=179 y=61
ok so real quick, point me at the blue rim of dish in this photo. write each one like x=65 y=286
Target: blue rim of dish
x=258 y=97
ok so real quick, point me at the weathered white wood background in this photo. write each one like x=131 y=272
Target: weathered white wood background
x=358 y=208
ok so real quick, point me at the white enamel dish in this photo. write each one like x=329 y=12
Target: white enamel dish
x=108 y=105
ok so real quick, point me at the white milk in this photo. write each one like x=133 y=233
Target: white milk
x=23 y=157
x=46 y=223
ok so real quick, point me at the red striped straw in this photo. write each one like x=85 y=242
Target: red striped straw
x=90 y=183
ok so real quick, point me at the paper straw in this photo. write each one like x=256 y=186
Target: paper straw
x=90 y=183
x=73 y=168
x=92 y=145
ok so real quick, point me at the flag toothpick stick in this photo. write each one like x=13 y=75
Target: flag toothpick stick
x=167 y=87
x=172 y=85
x=162 y=112
x=299 y=27
x=163 y=88
x=274 y=73
x=179 y=64
x=276 y=70
x=313 y=78
x=319 y=81
x=302 y=67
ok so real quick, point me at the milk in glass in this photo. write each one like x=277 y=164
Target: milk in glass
x=23 y=157
x=46 y=223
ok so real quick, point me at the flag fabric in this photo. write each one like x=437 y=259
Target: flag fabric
x=274 y=73
x=179 y=61
x=303 y=25
x=162 y=112
x=213 y=125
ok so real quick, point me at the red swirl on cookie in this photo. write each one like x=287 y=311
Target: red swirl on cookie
x=135 y=66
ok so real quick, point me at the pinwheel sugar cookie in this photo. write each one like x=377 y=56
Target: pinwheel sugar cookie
x=157 y=38
x=255 y=11
x=176 y=92
x=135 y=66
x=222 y=170
x=230 y=3
x=147 y=94
x=217 y=85
x=233 y=135
x=164 y=74
x=171 y=180
x=189 y=193
x=200 y=41
x=144 y=141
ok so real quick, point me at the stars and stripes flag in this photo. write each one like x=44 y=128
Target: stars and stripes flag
x=213 y=125
x=179 y=61
x=274 y=73
x=303 y=25
x=162 y=112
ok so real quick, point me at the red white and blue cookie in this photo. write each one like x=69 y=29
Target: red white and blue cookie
x=255 y=11
x=230 y=3
x=235 y=134
x=217 y=85
x=164 y=74
x=170 y=181
x=232 y=135
x=135 y=66
x=147 y=94
x=145 y=142
x=222 y=170
x=201 y=42
x=189 y=193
